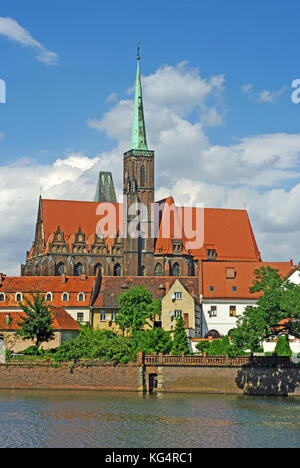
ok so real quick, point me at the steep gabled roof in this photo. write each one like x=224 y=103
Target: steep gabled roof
x=226 y=231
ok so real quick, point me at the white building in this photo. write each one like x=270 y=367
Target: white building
x=226 y=293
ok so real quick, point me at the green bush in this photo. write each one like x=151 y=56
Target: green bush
x=97 y=344
x=155 y=340
x=283 y=347
x=203 y=346
x=220 y=347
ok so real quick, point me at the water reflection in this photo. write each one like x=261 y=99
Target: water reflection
x=124 y=419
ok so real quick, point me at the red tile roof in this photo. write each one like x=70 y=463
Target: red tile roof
x=227 y=231
x=44 y=284
x=61 y=320
x=214 y=275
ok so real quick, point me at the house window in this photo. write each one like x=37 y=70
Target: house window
x=2 y=297
x=65 y=297
x=19 y=297
x=230 y=273
x=81 y=297
x=49 y=297
x=177 y=313
x=80 y=317
x=211 y=288
x=232 y=311
x=234 y=288
x=113 y=315
x=102 y=316
x=213 y=311
x=178 y=295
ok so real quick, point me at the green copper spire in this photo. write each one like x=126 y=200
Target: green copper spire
x=138 y=137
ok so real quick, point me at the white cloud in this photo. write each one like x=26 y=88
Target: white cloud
x=263 y=96
x=11 y=29
x=246 y=175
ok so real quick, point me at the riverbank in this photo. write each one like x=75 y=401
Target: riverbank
x=154 y=377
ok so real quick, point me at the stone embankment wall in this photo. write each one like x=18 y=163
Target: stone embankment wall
x=241 y=380
x=69 y=376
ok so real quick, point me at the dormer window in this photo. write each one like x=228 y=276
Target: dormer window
x=211 y=254
x=81 y=297
x=49 y=297
x=65 y=297
x=18 y=297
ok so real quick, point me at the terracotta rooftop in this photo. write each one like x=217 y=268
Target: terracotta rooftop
x=227 y=231
x=56 y=285
x=61 y=320
x=233 y=280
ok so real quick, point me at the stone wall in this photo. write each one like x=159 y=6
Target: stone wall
x=69 y=376
x=243 y=380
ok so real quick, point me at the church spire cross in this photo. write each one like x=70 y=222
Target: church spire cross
x=138 y=137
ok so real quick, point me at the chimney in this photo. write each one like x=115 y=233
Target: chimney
x=167 y=283
x=2 y=276
x=63 y=278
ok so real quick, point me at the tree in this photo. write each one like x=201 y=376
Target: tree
x=180 y=339
x=155 y=340
x=36 y=325
x=279 y=301
x=137 y=307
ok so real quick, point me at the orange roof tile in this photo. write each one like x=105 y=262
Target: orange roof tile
x=214 y=275
x=61 y=320
x=229 y=232
x=44 y=284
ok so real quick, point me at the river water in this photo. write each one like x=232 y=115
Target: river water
x=132 y=420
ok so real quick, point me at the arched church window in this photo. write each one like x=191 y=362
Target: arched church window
x=117 y=269
x=60 y=269
x=142 y=176
x=158 y=270
x=175 y=269
x=78 y=270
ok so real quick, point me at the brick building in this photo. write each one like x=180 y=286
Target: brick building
x=71 y=237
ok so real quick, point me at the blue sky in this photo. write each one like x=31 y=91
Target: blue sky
x=249 y=42
x=217 y=82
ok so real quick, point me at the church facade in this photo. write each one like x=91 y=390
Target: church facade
x=70 y=237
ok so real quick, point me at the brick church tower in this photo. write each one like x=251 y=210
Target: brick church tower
x=138 y=193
